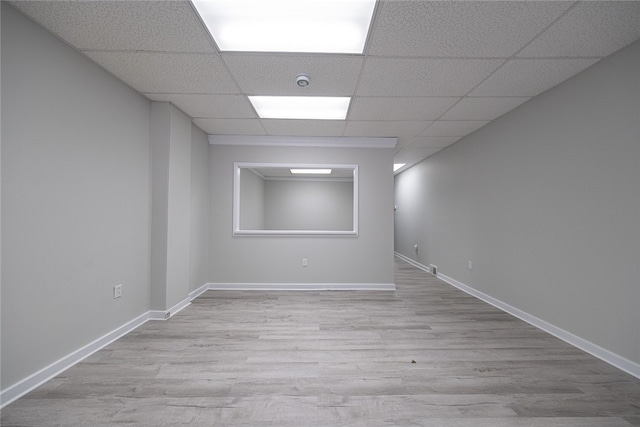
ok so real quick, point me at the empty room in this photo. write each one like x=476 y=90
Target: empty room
x=320 y=213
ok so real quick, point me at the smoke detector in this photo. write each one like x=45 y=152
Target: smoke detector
x=302 y=80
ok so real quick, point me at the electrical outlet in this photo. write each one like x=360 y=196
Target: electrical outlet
x=117 y=291
x=304 y=262
x=469 y=265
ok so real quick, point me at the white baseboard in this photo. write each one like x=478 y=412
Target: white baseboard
x=603 y=354
x=302 y=286
x=412 y=262
x=35 y=380
x=197 y=292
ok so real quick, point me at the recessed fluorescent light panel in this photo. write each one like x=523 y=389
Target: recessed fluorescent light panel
x=323 y=26
x=311 y=171
x=301 y=107
x=397 y=166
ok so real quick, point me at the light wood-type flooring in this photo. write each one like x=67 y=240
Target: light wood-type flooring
x=425 y=355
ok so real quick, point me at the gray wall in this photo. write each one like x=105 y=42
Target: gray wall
x=546 y=203
x=251 y=213
x=308 y=205
x=367 y=258
x=77 y=167
x=200 y=200
x=76 y=202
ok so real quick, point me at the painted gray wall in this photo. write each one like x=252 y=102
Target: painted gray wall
x=251 y=213
x=160 y=124
x=77 y=172
x=76 y=202
x=367 y=258
x=546 y=203
x=179 y=208
x=171 y=215
x=200 y=200
x=308 y=205
x=0 y=187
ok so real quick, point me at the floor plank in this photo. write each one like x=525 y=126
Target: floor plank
x=424 y=355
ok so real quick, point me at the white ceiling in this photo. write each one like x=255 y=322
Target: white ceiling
x=432 y=71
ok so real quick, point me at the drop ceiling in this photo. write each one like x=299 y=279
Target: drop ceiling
x=431 y=73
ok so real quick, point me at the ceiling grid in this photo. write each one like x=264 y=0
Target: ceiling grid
x=431 y=73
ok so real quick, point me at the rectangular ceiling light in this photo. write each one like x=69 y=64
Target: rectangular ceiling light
x=311 y=171
x=397 y=166
x=301 y=107
x=322 y=26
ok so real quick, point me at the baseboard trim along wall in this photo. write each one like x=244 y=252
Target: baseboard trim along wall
x=303 y=286
x=603 y=354
x=35 y=380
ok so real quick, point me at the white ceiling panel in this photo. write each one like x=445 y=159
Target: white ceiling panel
x=403 y=142
x=330 y=75
x=210 y=106
x=482 y=108
x=458 y=64
x=433 y=141
x=168 y=73
x=402 y=109
x=459 y=29
x=122 y=25
x=230 y=126
x=453 y=127
x=413 y=155
x=304 y=127
x=591 y=28
x=385 y=128
x=423 y=77
x=530 y=77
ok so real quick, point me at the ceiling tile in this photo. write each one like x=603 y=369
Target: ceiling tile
x=304 y=127
x=412 y=156
x=482 y=108
x=433 y=141
x=453 y=127
x=209 y=106
x=530 y=77
x=330 y=75
x=385 y=128
x=459 y=29
x=230 y=126
x=405 y=108
x=591 y=28
x=122 y=25
x=423 y=77
x=168 y=73
x=403 y=142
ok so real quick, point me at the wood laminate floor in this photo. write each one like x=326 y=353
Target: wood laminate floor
x=337 y=358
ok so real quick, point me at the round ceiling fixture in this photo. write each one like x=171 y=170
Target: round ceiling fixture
x=302 y=80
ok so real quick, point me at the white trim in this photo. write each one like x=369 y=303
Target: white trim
x=157 y=314
x=412 y=262
x=178 y=307
x=35 y=380
x=237 y=166
x=322 y=233
x=303 y=286
x=197 y=292
x=303 y=141
x=603 y=354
